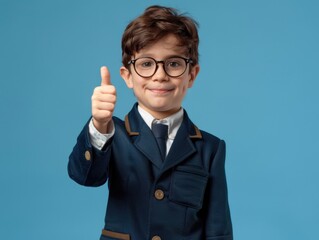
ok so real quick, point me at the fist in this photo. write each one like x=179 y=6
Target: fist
x=103 y=102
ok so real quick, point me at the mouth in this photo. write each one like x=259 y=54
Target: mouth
x=160 y=90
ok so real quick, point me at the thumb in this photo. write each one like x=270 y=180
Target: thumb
x=105 y=76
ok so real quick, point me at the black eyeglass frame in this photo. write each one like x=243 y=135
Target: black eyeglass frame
x=187 y=61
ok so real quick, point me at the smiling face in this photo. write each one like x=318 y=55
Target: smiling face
x=160 y=94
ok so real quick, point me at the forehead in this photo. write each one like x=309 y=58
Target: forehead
x=167 y=46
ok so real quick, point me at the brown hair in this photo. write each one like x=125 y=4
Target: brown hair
x=155 y=23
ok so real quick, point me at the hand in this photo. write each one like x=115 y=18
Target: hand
x=103 y=102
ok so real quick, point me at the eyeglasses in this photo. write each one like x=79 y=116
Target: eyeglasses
x=173 y=67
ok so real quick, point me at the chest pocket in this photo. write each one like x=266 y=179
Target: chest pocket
x=188 y=186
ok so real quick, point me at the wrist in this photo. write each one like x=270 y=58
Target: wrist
x=101 y=127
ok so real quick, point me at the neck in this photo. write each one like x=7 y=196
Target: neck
x=160 y=114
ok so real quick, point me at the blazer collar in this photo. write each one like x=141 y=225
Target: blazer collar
x=144 y=140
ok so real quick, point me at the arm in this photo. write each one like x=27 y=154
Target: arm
x=88 y=165
x=218 y=221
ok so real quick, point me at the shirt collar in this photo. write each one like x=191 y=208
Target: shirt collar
x=174 y=121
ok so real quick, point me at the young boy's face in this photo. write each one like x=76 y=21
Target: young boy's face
x=160 y=94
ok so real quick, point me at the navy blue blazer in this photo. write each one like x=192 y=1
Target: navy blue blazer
x=184 y=197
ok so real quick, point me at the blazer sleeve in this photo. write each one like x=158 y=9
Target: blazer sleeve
x=218 y=221
x=87 y=165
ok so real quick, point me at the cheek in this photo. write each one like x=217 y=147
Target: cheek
x=183 y=89
x=136 y=82
x=138 y=86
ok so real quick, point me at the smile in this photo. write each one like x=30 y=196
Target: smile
x=160 y=91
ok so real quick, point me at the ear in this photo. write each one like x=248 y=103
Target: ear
x=127 y=76
x=193 y=74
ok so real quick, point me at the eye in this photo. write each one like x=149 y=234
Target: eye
x=145 y=63
x=174 y=63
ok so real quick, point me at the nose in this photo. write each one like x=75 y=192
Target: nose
x=160 y=74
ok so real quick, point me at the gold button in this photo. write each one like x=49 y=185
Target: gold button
x=156 y=238
x=159 y=195
x=87 y=155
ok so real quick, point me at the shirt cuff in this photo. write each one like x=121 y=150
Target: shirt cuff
x=98 y=139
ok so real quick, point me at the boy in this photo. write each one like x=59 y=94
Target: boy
x=166 y=177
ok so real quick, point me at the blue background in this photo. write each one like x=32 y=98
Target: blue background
x=257 y=89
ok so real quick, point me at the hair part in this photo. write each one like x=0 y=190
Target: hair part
x=155 y=23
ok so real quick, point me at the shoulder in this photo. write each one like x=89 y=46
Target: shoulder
x=119 y=124
x=212 y=143
x=207 y=141
x=118 y=121
x=209 y=137
x=205 y=136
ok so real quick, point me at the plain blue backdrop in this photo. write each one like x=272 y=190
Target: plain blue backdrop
x=258 y=89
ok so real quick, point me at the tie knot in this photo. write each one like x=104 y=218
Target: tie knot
x=160 y=130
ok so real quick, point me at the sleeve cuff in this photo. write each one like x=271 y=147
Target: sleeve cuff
x=98 y=139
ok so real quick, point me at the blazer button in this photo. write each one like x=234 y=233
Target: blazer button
x=156 y=238
x=159 y=195
x=87 y=155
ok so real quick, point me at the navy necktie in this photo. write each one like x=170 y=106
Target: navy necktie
x=160 y=132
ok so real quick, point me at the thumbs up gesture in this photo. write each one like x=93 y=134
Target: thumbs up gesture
x=103 y=102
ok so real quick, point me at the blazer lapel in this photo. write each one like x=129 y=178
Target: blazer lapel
x=182 y=146
x=146 y=143
x=143 y=137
